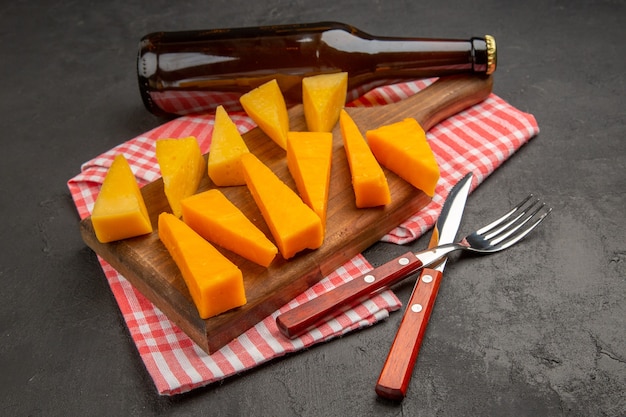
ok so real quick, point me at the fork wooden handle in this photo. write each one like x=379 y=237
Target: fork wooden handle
x=396 y=373
x=296 y=321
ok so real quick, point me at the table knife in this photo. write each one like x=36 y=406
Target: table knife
x=396 y=373
x=297 y=320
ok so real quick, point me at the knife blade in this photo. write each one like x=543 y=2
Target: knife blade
x=297 y=320
x=397 y=370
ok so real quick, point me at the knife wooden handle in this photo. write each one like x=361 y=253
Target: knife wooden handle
x=396 y=373
x=296 y=321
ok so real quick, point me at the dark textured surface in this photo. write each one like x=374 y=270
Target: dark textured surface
x=538 y=330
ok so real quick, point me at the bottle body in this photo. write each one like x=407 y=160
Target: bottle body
x=193 y=72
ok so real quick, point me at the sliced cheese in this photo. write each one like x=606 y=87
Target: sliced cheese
x=323 y=97
x=120 y=211
x=214 y=282
x=218 y=220
x=182 y=167
x=402 y=148
x=227 y=145
x=294 y=225
x=266 y=106
x=309 y=157
x=368 y=179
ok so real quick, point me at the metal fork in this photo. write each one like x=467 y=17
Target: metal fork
x=494 y=237
x=501 y=233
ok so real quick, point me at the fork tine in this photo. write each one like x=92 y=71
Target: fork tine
x=504 y=232
x=516 y=218
x=503 y=243
x=505 y=218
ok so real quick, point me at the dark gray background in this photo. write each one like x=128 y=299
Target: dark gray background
x=538 y=330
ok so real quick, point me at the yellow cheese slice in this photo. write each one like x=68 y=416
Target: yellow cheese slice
x=227 y=145
x=214 y=282
x=120 y=211
x=368 y=179
x=266 y=106
x=294 y=225
x=323 y=97
x=218 y=220
x=402 y=148
x=182 y=167
x=309 y=157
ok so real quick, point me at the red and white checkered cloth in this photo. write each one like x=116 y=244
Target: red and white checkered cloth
x=478 y=139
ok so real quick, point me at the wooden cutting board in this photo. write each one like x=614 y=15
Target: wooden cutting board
x=145 y=262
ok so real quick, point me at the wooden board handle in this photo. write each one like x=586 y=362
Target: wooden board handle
x=440 y=100
x=448 y=96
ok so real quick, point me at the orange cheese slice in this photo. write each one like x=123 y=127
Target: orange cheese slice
x=266 y=106
x=214 y=282
x=120 y=211
x=219 y=221
x=323 y=97
x=402 y=148
x=227 y=145
x=368 y=179
x=309 y=157
x=182 y=167
x=294 y=225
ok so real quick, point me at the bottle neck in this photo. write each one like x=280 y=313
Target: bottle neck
x=367 y=58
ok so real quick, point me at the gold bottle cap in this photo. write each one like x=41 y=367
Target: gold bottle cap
x=492 y=56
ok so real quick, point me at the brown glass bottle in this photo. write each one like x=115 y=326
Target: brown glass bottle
x=194 y=71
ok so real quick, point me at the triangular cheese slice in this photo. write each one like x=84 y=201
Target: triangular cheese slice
x=120 y=211
x=368 y=178
x=182 y=167
x=218 y=220
x=309 y=157
x=266 y=106
x=294 y=225
x=402 y=148
x=214 y=282
x=323 y=97
x=227 y=146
